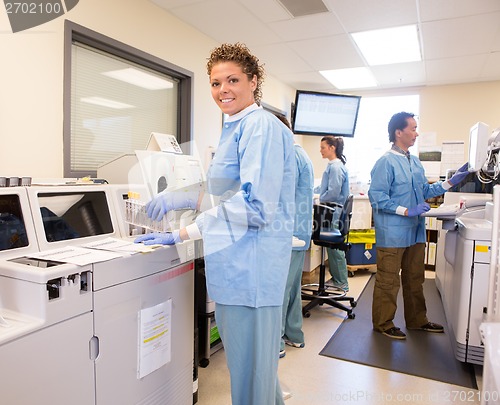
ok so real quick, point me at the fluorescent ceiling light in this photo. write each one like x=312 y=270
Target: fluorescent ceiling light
x=354 y=78
x=389 y=45
x=104 y=102
x=140 y=78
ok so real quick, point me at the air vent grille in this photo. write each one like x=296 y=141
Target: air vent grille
x=298 y=8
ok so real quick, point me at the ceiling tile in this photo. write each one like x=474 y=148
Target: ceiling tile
x=459 y=69
x=491 y=67
x=267 y=10
x=460 y=36
x=336 y=52
x=432 y=10
x=400 y=74
x=312 y=26
x=309 y=81
x=169 y=4
x=280 y=59
x=457 y=36
x=226 y=21
x=364 y=15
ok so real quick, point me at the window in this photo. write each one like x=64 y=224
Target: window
x=114 y=97
x=371 y=139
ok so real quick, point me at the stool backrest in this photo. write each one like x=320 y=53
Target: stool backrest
x=331 y=216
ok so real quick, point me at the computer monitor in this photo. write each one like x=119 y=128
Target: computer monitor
x=478 y=145
x=72 y=215
x=322 y=114
x=17 y=233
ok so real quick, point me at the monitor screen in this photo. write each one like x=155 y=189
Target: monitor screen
x=12 y=229
x=72 y=215
x=325 y=114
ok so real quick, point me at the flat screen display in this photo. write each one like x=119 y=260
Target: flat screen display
x=72 y=215
x=322 y=114
x=12 y=230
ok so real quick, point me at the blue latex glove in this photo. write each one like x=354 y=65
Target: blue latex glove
x=419 y=209
x=171 y=200
x=459 y=175
x=159 y=238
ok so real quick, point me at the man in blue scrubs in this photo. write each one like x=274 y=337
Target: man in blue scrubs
x=397 y=194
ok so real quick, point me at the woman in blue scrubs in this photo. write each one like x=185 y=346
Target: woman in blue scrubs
x=335 y=188
x=247 y=238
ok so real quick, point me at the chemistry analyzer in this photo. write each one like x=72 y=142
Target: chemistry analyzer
x=112 y=330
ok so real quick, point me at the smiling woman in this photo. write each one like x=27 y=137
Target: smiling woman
x=247 y=238
x=236 y=81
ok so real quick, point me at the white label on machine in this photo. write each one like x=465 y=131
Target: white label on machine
x=154 y=338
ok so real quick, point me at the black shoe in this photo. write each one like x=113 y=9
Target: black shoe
x=394 y=333
x=431 y=327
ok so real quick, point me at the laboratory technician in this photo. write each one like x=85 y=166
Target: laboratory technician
x=291 y=327
x=335 y=188
x=247 y=238
x=397 y=195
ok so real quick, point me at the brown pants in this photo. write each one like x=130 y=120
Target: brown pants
x=411 y=262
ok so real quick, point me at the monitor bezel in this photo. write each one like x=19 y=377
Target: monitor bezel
x=297 y=106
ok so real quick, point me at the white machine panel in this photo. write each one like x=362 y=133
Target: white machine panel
x=50 y=366
x=468 y=253
x=117 y=324
x=17 y=232
x=478 y=146
x=72 y=215
x=69 y=334
x=469 y=300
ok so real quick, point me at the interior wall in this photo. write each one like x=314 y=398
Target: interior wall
x=448 y=111
x=31 y=79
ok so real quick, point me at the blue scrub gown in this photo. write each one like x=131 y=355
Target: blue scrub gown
x=247 y=243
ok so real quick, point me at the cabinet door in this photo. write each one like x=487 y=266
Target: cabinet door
x=479 y=300
x=49 y=366
x=117 y=312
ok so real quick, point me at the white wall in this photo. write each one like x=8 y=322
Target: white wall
x=31 y=85
x=448 y=111
x=31 y=79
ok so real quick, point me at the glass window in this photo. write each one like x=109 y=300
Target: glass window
x=115 y=96
x=371 y=139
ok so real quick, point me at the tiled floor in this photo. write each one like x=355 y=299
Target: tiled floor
x=318 y=380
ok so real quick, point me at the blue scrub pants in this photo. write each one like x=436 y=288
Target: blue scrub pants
x=251 y=339
x=291 y=325
x=338 y=268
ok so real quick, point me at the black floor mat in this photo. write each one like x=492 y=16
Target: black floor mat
x=422 y=354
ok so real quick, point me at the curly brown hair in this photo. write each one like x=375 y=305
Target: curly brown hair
x=241 y=55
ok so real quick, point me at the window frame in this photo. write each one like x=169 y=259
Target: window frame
x=76 y=33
